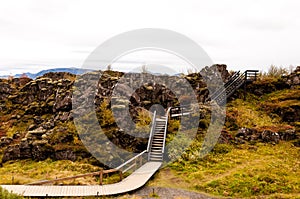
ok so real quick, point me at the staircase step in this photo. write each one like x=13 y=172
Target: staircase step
x=156 y=147
x=156 y=155
x=156 y=160
x=155 y=150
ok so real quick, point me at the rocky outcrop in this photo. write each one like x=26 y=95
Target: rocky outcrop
x=270 y=85
x=294 y=78
x=36 y=146
x=244 y=135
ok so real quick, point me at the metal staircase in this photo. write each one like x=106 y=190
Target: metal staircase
x=235 y=82
x=156 y=152
x=157 y=138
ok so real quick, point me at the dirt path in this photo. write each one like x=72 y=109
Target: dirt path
x=169 y=193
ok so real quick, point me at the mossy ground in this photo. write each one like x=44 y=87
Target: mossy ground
x=28 y=171
x=244 y=171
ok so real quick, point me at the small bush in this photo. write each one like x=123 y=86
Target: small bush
x=222 y=148
x=274 y=72
x=6 y=195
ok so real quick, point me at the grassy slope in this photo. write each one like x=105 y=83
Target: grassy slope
x=249 y=170
x=244 y=171
x=27 y=171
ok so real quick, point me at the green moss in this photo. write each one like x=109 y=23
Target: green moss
x=248 y=114
x=19 y=126
x=247 y=171
x=6 y=195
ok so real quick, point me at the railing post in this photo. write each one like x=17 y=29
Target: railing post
x=255 y=78
x=141 y=160
x=121 y=175
x=101 y=177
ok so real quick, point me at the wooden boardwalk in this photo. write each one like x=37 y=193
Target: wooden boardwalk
x=136 y=180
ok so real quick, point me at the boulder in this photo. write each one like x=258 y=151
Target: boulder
x=12 y=152
x=65 y=155
x=270 y=136
x=41 y=150
x=25 y=148
x=288 y=135
x=4 y=141
x=247 y=134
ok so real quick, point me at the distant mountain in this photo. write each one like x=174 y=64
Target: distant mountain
x=76 y=71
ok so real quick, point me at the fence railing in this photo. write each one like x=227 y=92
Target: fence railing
x=179 y=111
x=132 y=164
x=97 y=173
x=151 y=131
x=251 y=75
x=166 y=128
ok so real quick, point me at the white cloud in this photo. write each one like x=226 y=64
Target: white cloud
x=50 y=33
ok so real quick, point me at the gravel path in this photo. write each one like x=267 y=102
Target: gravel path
x=169 y=193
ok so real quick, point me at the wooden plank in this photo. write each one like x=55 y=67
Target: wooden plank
x=136 y=180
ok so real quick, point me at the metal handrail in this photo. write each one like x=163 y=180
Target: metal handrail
x=233 y=77
x=166 y=127
x=251 y=73
x=229 y=83
x=239 y=77
x=151 y=131
x=130 y=160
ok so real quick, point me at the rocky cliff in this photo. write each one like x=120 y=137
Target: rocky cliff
x=36 y=119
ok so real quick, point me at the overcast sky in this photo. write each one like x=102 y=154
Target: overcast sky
x=254 y=34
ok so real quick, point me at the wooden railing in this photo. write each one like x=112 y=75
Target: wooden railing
x=132 y=164
x=97 y=173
